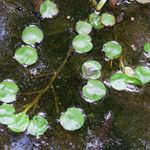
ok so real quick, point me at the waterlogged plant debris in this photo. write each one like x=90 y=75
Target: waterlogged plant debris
x=48 y=9
x=8 y=90
x=142 y=73
x=83 y=27
x=72 y=119
x=32 y=35
x=108 y=19
x=91 y=69
x=20 y=123
x=112 y=50
x=38 y=126
x=82 y=43
x=26 y=55
x=93 y=91
x=95 y=21
x=7 y=114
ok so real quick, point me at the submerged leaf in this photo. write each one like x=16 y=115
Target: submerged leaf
x=8 y=90
x=94 y=90
x=82 y=43
x=32 y=35
x=82 y=27
x=26 y=55
x=48 y=9
x=72 y=119
x=20 y=123
x=95 y=21
x=91 y=69
x=38 y=126
x=112 y=50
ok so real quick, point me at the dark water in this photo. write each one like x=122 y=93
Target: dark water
x=121 y=121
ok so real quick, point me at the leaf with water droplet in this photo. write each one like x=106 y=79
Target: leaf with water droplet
x=26 y=55
x=20 y=123
x=8 y=90
x=93 y=91
x=83 y=27
x=72 y=119
x=82 y=43
x=108 y=19
x=95 y=21
x=32 y=35
x=112 y=50
x=48 y=9
x=91 y=69
x=142 y=73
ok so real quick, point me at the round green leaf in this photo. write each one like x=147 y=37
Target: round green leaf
x=112 y=50
x=26 y=55
x=8 y=90
x=82 y=27
x=95 y=21
x=7 y=109
x=6 y=114
x=142 y=73
x=147 y=47
x=108 y=19
x=72 y=119
x=20 y=123
x=38 y=126
x=94 y=90
x=32 y=35
x=91 y=69
x=82 y=43
x=48 y=9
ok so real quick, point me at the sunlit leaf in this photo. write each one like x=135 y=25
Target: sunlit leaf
x=147 y=47
x=95 y=21
x=82 y=27
x=72 y=119
x=26 y=55
x=6 y=114
x=8 y=90
x=38 y=126
x=112 y=50
x=82 y=43
x=48 y=9
x=93 y=91
x=32 y=35
x=108 y=19
x=143 y=74
x=20 y=123
x=91 y=69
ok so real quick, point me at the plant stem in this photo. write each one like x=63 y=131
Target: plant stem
x=36 y=100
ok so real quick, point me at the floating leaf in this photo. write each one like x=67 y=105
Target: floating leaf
x=48 y=9
x=32 y=35
x=120 y=81
x=8 y=90
x=128 y=71
x=95 y=22
x=72 y=119
x=94 y=90
x=20 y=123
x=147 y=47
x=6 y=114
x=108 y=19
x=26 y=55
x=91 y=69
x=82 y=43
x=82 y=27
x=142 y=73
x=38 y=126
x=112 y=50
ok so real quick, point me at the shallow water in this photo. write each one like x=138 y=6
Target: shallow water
x=120 y=121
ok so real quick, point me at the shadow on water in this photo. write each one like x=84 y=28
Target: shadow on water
x=120 y=121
